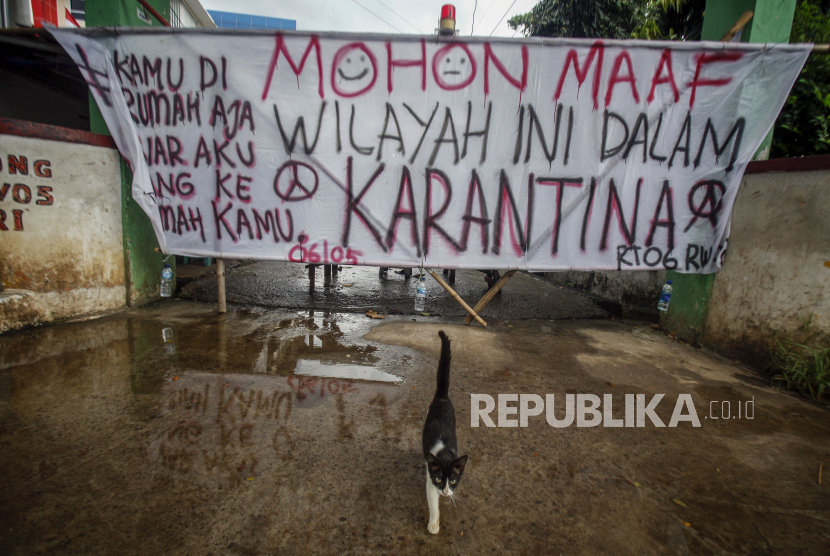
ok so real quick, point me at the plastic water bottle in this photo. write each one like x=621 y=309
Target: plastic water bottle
x=169 y=340
x=421 y=294
x=167 y=281
x=665 y=296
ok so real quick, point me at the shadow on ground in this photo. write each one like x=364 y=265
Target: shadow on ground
x=359 y=288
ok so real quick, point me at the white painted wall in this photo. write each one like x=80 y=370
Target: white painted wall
x=774 y=276
x=68 y=259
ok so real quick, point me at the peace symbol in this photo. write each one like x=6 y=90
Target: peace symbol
x=294 y=185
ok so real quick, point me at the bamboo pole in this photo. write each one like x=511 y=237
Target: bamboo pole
x=457 y=298
x=747 y=17
x=220 y=280
x=740 y=24
x=491 y=293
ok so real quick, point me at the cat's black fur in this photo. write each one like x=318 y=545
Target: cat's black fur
x=444 y=467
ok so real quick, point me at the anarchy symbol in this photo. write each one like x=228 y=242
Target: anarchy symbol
x=710 y=206
x=294 y=185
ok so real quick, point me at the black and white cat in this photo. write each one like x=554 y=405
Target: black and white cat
x=444 y=467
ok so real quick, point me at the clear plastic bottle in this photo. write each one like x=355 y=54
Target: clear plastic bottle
x=167 y=281
x=421 y=294
x=169 y=340
x=665 y=296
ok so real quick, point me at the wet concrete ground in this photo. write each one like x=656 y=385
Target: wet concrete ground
x=360 y=288
x=175 y=430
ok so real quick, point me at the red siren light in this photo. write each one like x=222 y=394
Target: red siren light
x=447 y=23
x=447 y=11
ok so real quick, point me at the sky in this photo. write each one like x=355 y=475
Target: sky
x=384 y=16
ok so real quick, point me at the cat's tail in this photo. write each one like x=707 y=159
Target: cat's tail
x=443 y=388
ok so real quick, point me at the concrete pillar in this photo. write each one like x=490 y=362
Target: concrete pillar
x=771 y=23
x=142 y=265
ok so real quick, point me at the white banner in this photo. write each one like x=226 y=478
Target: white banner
x=470 y=153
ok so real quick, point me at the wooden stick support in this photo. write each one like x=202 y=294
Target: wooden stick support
x=220 y=280
x=491 y=293
x=457 y=298
x=740 y=24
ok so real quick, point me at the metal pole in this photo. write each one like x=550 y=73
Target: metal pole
x=155 y=14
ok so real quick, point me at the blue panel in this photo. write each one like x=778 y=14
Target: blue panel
x=230 y=20
x=243 y=21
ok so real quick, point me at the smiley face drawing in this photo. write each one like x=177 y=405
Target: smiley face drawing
x=453 y=67
x=354 y=70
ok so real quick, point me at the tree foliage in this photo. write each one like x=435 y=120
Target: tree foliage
x=613 y=19
x=610 y=19
x=803 y=127
x=678 y=20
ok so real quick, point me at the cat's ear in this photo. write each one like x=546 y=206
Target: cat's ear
x=458 y=465
x=433 y=463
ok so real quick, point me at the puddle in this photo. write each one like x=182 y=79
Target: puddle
x=323 y=342
x=219 y=399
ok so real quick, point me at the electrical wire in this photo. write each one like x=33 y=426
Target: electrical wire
x=473 y=28
x=377 y=16
x=485 y=13
x=502 y=17
x=400 y=16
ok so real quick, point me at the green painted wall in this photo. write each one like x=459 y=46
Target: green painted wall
x=142 y=264
x=689 y=305
x=721 y=15
x=123 y=13
x=772 y=22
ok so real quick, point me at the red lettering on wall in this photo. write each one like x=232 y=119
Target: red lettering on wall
x=18 y=220
x=45 y=191
x=42 y=169
x=22 y=194
x=18 y=164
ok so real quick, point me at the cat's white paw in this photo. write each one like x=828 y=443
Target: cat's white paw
x=433 y=528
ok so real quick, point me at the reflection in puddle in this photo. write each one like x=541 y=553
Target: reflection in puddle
x=231 y=428
x=338 y=370
x=218 y=399
x=270 y=382
x=320 y=341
